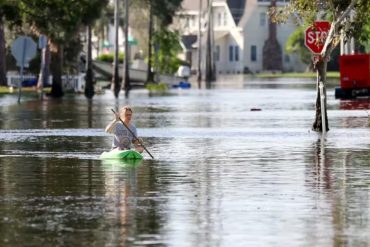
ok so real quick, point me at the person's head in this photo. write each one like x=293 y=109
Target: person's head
x=126 y=113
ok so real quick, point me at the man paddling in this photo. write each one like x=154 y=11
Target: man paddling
x=123 y=138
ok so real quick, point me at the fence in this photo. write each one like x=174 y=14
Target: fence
x=75 y=83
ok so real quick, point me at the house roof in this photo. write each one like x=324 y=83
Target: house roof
x=192 y=4
x=236 y=7
x=188 y=40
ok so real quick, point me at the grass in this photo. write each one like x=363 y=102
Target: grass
x=6 y=90
x=329 y=75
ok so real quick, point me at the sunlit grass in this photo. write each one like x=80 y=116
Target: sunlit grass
x=331 y=75
x=4 y=89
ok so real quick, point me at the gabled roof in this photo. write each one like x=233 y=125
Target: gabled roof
x=237 y=9
x=188 y=40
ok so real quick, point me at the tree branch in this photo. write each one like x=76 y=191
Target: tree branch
x=333 y=32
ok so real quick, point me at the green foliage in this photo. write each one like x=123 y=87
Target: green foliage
x=167 y=42
x=308 y=11
x=365 y=36
x=295 y=44
x=10 y=13
x=110 y=57
x=154 y=87
x=164 y=10
x=60 y=20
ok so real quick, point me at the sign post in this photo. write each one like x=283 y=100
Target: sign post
x=314 y=39
x=23 y=50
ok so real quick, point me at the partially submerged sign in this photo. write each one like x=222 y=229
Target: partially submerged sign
x=23 y=50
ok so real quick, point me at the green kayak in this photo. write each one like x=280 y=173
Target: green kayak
x=122 y=154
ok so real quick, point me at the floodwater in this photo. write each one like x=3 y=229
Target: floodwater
x=236 y=165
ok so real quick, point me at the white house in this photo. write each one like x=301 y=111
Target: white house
x=242 y=31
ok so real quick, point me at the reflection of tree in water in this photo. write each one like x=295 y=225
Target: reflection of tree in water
x=321 y=169
x=337 y=179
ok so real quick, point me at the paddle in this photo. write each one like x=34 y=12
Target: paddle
x=134 y=135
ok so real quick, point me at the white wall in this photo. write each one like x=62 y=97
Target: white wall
x=256 y=33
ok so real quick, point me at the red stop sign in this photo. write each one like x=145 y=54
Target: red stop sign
x=315 y=36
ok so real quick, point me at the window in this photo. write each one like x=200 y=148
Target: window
x=253 y=53
x=262 y=19
x=192 y=21
x=231 y=53
x=217 y=53
x=286 y=58
x=187 y=22
x=219 y=21
x=236 y=53
x=225 y=18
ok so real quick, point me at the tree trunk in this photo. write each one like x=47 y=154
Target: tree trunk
x=115 y=78
x=89 y=78
x=209 y=77
x=44 y=70
x=127 y=86
x=150 y=74
x=199 y=76
x=3 y=81
x=321 y=76
x=56 y=70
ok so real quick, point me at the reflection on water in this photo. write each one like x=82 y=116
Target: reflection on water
x=222 y=174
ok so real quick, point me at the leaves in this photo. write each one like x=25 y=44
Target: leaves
x=60 y=20
x=168 y=47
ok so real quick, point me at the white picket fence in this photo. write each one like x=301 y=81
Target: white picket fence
x=75 y=83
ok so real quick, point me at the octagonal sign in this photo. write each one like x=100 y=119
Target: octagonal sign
x=316 y=35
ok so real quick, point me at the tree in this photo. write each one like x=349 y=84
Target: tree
x=116 y=87
x=8 y=15
x=338 y=12
x=168 y=44
x=2 y=52
x=93 y=9
x=61 y=21
x=199 y=69
x=163 y=10
x=210 y=66
x=295 y=44
x=127 y=85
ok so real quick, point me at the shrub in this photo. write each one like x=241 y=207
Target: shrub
x=109 y=57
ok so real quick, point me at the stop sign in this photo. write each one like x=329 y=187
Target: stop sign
x=315 y=36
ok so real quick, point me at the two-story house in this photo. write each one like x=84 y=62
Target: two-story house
x=244 y=37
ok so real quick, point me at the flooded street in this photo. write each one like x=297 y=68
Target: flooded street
x=237 y=165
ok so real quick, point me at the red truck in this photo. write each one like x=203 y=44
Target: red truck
x=354 y=76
